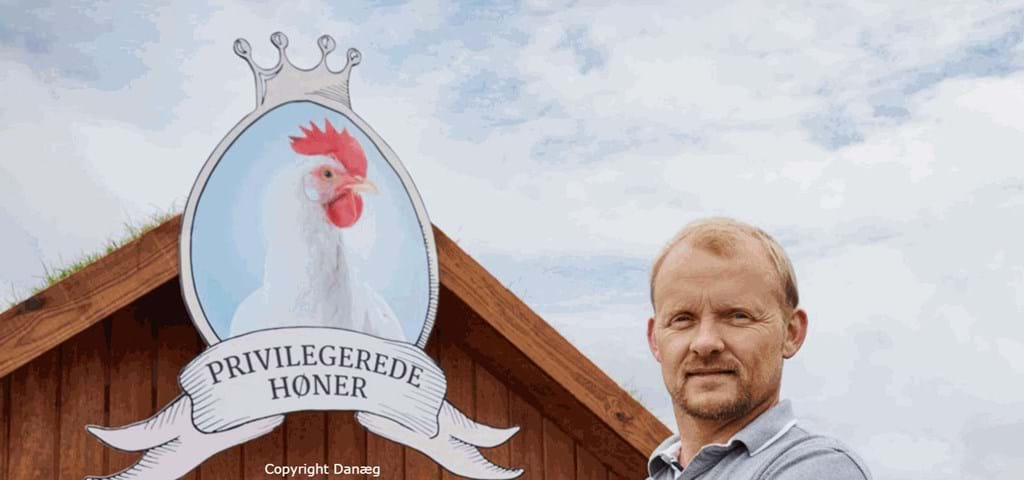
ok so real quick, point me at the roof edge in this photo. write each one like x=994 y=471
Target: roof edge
x=87 y=296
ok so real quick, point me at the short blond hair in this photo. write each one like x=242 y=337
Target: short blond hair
x=719 y=235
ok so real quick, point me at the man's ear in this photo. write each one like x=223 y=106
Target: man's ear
x=651 y=342
x=796 y=332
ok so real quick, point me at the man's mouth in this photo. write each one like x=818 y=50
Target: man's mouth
x=709 y=372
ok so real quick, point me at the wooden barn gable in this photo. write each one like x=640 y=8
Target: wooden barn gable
x=105 y=346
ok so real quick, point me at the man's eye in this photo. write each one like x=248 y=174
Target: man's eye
x=741 y=316
x=680 y=319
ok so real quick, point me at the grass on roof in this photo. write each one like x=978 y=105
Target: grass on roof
x=53 y=274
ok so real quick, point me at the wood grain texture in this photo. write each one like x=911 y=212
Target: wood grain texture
x=417 y=465
x=177 y=343
x=34 y=419
x=459 y=371
x=305 y=438
x=60 y=312
x=545 y=348
x=388 y=455
x=491 y=409
x=588 y=467
x=523 y=376
x=346 y=439
x=257 y=453
x=226 y=465
x=559 y=453
x=526 y=449
x=5 y=415
x=83 y=402
x=132 y=364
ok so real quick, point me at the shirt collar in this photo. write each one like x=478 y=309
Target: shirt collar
x=766 y=428
x=663 y=457
x=756 y=436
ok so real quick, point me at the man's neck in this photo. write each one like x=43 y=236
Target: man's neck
x=695 y=433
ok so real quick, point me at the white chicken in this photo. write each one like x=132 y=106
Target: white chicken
x=307 y=277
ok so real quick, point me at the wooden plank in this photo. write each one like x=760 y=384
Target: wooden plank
x=83 y=402
x=559 y=453
x=131 y=374
x=588 y=467
x=526 y=449
x=60 y=312
x=518 y=325
x=346 y=440
x=305 y=437
x=492 y=409
x=257 y=453
x=177 y=343
x=388 y=455
x=614 y=476
x=34 y=420
x=5 y=415
x=524 y=377
x=226 y=465
x=459 y=371
x=417 y=465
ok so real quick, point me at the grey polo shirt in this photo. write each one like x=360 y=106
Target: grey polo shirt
x=772 y=447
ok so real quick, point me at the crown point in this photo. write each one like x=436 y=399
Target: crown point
x=354 y=57
x=279 y=40
x=242 y=48
x=326 y=43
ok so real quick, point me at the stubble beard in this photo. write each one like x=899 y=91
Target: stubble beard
x=716 y=410
x=721 y=407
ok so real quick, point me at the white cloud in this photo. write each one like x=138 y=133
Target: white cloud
x=908 y=455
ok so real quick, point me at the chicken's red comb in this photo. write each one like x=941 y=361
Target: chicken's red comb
x=339 y=146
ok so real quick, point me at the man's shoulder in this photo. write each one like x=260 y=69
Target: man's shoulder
x=808 y=455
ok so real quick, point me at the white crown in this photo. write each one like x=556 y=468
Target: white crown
x=285 y=81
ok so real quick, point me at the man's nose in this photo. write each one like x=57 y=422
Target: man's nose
x=707 y=341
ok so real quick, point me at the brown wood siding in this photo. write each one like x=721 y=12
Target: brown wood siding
x=125 y=368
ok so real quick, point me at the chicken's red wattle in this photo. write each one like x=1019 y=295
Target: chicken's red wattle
x=345 y=210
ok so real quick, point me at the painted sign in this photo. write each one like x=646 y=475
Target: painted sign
x=309 y=267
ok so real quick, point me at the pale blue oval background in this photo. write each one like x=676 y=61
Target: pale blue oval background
x=227 y=253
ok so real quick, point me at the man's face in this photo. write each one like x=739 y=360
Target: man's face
x=720 y=330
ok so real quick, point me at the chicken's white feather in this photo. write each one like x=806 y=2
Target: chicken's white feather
x=307 y=277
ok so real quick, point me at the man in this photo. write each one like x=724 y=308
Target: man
x=726 y=314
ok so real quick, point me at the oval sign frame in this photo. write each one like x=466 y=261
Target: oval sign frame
x=319 y=86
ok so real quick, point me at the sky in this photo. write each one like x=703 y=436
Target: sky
x=561 y=144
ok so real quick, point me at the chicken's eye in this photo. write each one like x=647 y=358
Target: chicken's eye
x=328 y=174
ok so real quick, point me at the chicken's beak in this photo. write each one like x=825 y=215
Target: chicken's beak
x=364 y=186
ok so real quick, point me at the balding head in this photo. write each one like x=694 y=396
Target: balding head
x=722 y=236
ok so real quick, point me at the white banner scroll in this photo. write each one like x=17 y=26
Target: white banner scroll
x=239 y=389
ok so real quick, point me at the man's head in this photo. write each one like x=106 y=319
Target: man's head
x=725 y=316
